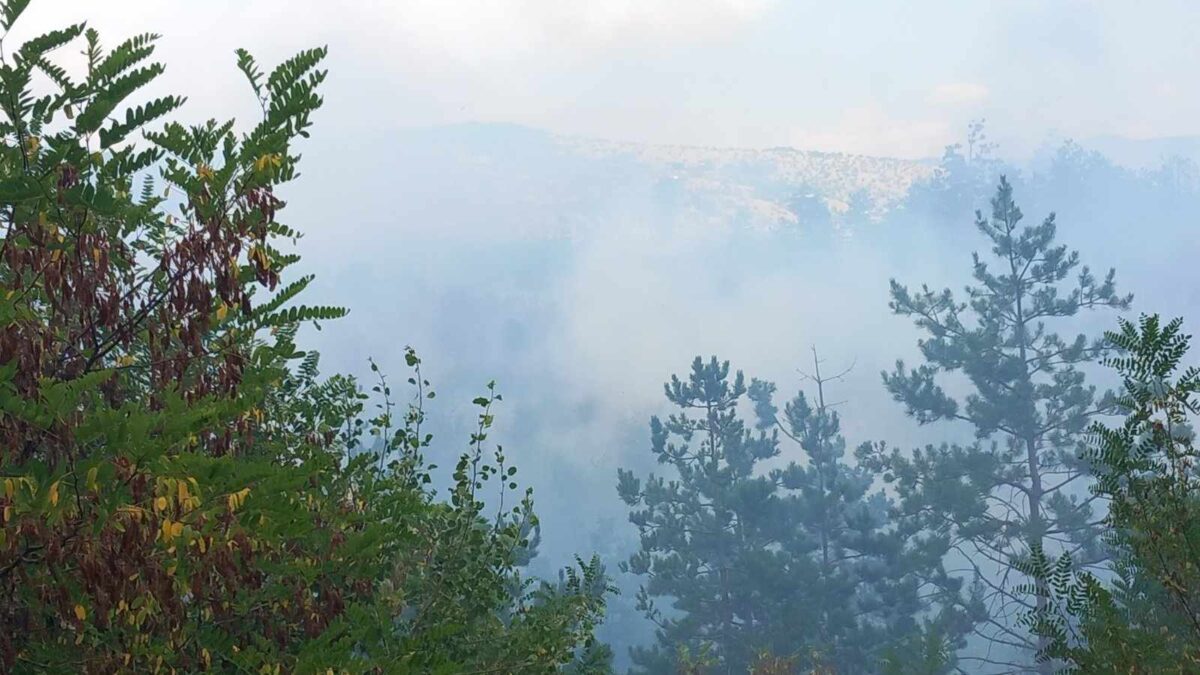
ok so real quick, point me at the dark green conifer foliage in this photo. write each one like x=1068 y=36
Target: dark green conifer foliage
x=872 y=590
x=1022 y=484
x=706 y=534
x=799 y=562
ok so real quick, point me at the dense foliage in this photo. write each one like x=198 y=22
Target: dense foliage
x=181 y=491
x=801 y=561
x=1147 y=618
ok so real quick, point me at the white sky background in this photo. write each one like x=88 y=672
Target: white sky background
x=881 y=77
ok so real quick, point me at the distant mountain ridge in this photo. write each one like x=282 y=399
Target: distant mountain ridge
x=546 y=180
x=758 y=179
x=1145 y=153
x=544 y=184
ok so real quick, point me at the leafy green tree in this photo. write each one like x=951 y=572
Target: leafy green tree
x=1147 y=618
x=1024 y=393
x=966 y=173
x=800 y=562
x=181 y=490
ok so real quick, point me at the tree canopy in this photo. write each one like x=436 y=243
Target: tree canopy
x=181 y=490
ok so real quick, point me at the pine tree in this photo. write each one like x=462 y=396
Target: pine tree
x=706 y=536
x=1022 y=484
x=863 y=578
x=799 y=562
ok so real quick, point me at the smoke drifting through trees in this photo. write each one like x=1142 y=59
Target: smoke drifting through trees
x=182 y=434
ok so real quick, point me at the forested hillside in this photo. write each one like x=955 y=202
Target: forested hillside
x=488 y=399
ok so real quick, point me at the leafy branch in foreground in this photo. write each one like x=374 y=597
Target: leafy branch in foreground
x=1147 y=618
x=181 y=490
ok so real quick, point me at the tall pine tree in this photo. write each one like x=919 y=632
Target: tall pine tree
x=1022 y=484
x=708 y=535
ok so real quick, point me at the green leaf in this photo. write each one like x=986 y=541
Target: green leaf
x=93 y=115
x=138 y=117
x=10 y=10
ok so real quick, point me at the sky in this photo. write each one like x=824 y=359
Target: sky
x=879 y=77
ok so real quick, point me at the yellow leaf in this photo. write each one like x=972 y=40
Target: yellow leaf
x=54 y=493
x=160 y=504
x=166 y=530
x=222 y=310
x=9 y=487
x=131 y=511
x=176 y=529
x=91 y=477
x=236 y=499
x=80 y=612
x=183 y=492
x=96 y=254
x=7 y=513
